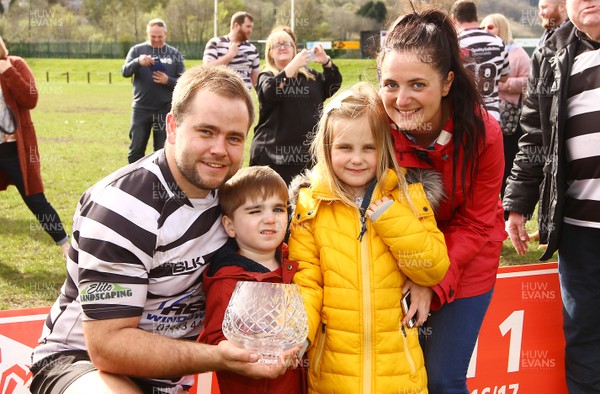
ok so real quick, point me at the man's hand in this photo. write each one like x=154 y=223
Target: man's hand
x=145 y=60
x=515 y=227
x=234 y=49
x=244 y=362
x=160 y=77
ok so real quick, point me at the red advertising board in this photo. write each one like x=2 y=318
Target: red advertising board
x=520 y=348
x=521 y=345
x=19 y=332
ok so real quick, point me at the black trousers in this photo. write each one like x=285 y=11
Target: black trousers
x=37 y=203
x=142 y=123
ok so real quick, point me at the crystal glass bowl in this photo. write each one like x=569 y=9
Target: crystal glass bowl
x=266 y=317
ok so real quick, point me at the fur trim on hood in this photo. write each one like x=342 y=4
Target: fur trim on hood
x=431 y=180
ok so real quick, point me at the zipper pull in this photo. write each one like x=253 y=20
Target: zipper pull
x=403 y=330
x=363 y=221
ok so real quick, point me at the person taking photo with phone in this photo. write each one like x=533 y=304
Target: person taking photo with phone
x=155 y=67
x=290 y=96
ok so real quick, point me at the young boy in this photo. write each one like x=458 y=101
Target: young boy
x=254 y=206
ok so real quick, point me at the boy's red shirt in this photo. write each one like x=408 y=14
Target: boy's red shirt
x=227 y=268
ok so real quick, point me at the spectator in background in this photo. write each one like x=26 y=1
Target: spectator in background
x=155 y=68
x=553 y=14
x=485 y=54
x=558 y=166
x=512 y=90
x=234 y=50
x=290 y=96
x=19 y=154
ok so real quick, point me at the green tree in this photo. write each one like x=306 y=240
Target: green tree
x=373 y=10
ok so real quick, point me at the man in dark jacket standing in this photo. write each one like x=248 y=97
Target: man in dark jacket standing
x=559 y=165
x=155 y=67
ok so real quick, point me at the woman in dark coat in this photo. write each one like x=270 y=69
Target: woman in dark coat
x=291 y=97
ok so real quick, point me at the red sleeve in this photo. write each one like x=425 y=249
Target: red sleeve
x=20 y=83
x=476 y=221
x=217 y=299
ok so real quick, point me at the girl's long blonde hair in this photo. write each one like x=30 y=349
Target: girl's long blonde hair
x=361 y=100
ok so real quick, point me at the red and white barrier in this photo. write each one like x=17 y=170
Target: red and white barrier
x=520 y=348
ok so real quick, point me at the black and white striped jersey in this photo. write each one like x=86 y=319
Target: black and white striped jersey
x=139 y=248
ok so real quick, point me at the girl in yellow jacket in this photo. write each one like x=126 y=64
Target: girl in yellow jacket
x=354 y=257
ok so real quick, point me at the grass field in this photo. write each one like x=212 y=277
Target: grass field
x=82 y=134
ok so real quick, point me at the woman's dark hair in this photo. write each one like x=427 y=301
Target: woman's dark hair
x=432 y=36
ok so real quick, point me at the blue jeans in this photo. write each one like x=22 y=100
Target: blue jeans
x=142 y=122
x=449 y=340
x=579 y=273
x=37 y=203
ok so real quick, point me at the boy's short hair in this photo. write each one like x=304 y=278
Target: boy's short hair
x=251 y=182
x=464 y=11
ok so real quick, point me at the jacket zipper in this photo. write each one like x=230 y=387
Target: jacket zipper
x=411 y=362
x=367 y=312
x=320 y=348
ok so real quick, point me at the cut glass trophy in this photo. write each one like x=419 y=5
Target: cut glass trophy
x=268 y=318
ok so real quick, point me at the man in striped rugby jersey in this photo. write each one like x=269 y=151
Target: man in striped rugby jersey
x=485 y=54
x=234 y=50
x=559 y=165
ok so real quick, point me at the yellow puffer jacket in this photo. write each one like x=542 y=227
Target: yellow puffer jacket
x=352 y=288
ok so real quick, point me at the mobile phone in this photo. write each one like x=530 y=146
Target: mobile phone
x=405 y=305
x=157 y=66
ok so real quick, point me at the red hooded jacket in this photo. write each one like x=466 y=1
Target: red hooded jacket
x=472 y=223
x=226 y=269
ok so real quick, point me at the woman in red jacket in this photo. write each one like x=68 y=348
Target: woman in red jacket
x=439 y=123
x=19 y=155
